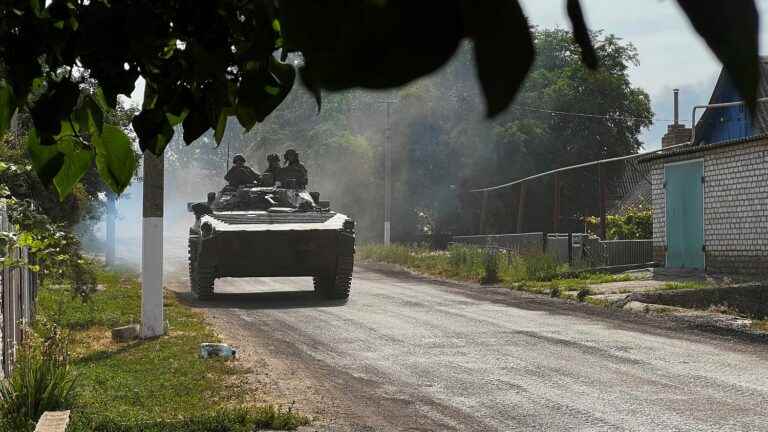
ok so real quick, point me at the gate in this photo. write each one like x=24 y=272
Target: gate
x=685 y=214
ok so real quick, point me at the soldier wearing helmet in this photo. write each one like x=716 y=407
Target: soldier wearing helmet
x=240 y=174
x=273 y=161
x=293 y=170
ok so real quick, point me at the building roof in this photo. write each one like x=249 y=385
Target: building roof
x=700 y=148
x=725 y=91
x=707 y=135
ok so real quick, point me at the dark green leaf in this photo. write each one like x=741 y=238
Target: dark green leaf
x=195 y=124
x=581 y=34
x=173 y=119
x=730 y=28
x=260 y=94
x=46 y=160
x=372 y=44
x=221 y=126
x=54 y=106
x=310 y=84
x=153 y=129
x=76 y=163
x=89 y=115
x=504 y=50
x=115 y=159
x=7 y=106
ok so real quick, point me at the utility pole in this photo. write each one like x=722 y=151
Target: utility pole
x=387 y=177
x=152 y=323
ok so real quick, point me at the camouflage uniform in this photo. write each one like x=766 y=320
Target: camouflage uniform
x=240 y=175
x=294 y=170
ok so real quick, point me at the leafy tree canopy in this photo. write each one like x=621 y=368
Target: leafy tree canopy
x=207 y=61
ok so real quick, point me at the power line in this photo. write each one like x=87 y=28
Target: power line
x=572 y=167
x=575 y=114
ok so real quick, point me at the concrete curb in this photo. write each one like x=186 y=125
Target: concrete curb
x=53 y=422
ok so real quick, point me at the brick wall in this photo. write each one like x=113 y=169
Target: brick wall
x=735 y=207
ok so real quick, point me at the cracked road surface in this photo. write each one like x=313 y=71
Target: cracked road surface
x=409 y=353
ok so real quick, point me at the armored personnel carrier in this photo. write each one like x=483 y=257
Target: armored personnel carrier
x=255 y=231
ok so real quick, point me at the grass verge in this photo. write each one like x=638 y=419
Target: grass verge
x=539 y=274
x=149 y=382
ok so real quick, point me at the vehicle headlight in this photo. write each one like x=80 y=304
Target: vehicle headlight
x=206 y=229
x=349 y=225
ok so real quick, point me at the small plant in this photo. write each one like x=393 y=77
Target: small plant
x=490 y=267
x=554 y=292
x=583 y=294
x=541 y=268
x=40 y=382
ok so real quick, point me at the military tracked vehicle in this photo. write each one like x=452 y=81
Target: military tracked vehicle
x=255 y=231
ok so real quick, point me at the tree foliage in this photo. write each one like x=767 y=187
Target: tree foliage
x=227 y=58
x=635 y=223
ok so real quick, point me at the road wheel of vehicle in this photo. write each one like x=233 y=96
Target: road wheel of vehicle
x=204 y=280
x=192 y=264
x=337 y=286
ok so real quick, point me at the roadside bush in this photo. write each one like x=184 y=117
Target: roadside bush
x=490 y=266
x=41 y=381
x=541 y=268
x=634 y=223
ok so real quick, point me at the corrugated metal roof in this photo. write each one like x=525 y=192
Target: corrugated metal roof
x=724 y=91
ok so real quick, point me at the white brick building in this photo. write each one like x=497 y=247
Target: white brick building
x=731 y=178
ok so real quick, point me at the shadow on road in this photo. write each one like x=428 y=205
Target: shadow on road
x=262 y=300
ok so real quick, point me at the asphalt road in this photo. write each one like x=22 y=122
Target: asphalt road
x=406 y=353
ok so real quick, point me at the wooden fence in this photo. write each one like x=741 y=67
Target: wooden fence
x=18 y=289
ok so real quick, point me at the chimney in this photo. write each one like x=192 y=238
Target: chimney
x=677 y=133
x=677 y=106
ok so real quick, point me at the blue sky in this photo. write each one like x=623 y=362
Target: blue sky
x=672 y=55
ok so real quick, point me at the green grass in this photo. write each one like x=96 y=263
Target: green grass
x=760 y=325
x=538 y=274
x=685 y=285
x=143 y=381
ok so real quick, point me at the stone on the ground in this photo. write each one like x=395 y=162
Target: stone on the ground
x=53 y=422
x=208 y=350
x=126 y=333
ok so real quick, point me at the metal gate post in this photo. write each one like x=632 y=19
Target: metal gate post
x=556 y=206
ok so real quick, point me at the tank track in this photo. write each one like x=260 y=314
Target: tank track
x=200 y=280
x=337 y=286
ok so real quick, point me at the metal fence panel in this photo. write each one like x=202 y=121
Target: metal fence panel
x=527 y=243
x=582 y=252
x=628 y=252
x=18 y=289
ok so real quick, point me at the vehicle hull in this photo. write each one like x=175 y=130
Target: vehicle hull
x=266 y=253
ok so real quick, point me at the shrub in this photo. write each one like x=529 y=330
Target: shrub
x=634 y=223
x=40 y=382
x=541 y=268
x=490 y=266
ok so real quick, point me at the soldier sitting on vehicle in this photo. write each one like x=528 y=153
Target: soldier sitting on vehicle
x=274 y=165
x=269 y=176
x=240 y=174
x=293 y=169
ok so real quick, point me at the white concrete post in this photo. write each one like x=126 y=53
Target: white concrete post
x=152 y=323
